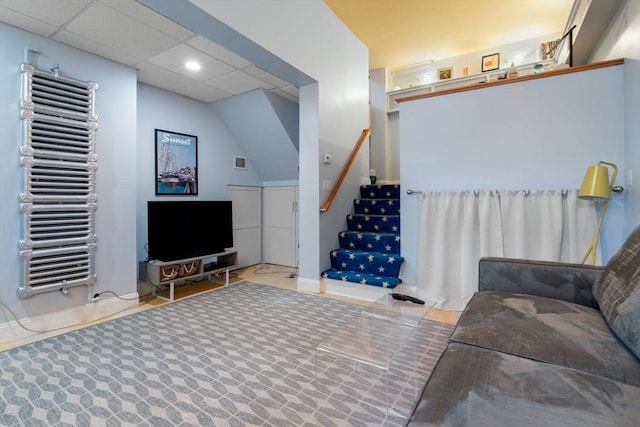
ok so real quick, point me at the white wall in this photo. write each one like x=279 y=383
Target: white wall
x=377 y=89
x=309 y=37
x=115 y=179
x=159 y=109
x=622 y=37
x=538 y=134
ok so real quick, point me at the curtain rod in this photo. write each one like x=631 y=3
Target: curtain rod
x=563 y=192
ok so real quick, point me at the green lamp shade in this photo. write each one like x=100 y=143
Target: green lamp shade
x=595 y=185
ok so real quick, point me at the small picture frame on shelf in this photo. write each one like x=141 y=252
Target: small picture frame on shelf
x=445 y=73
x=490 y=62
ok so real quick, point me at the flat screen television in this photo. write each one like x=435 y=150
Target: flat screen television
x=186 y=229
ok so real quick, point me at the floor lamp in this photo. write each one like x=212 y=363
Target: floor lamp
x=596 y=186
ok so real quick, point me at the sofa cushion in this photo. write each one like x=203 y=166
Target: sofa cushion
x=568 y=282
x=471 y=386
x=547 y=330
x=618 y=292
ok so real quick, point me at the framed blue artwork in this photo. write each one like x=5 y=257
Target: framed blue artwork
x=176 y=163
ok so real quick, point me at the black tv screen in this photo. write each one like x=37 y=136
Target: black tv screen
x=186 y=229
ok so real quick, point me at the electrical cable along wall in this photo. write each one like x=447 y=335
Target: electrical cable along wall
x=59 y=201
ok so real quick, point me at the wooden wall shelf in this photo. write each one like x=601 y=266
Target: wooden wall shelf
x=543 y=75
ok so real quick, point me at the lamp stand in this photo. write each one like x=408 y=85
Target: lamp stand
x=596 y=237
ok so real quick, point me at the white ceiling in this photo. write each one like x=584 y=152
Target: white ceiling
x=397 y=32
x=132 y=34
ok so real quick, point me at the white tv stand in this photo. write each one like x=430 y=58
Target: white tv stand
x=162 y=273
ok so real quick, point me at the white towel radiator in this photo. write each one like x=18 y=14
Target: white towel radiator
x=59 y=201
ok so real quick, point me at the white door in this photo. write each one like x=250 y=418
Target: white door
x=281 y=226
x=247 y=224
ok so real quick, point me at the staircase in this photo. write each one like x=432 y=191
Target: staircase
x=369 y=252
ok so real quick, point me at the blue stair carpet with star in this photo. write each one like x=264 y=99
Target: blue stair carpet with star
x=369 y=252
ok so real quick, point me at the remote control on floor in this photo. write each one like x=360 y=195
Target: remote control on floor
x=403 y=297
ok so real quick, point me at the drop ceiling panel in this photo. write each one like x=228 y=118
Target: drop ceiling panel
x=96 y=48
x=116 y=30
x=154 y=20
x=175 y=58
x=153 y=75
x=26 y=23
x=204 y=93
x=55 y=13
x=213 y=49
x=129 y=33
x=237 y=82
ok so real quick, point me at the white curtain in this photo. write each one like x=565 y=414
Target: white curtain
x=458 y=228
x=532 y=224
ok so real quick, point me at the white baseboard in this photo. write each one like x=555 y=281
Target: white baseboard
x=362 y=292
x=353 y=290
x=52 y=324
x=309 y=285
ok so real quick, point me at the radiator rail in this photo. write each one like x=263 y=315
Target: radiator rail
x=58 y=202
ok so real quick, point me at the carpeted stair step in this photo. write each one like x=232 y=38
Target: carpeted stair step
x=367 y=262
x=370 y=249
x=369 y=241
x=362 y=278
x=374 y=223
x=385 y=191
x=377 y=206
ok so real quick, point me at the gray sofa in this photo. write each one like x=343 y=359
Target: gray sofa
x=543 y=344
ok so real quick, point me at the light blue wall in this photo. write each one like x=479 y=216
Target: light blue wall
x=538 y=134
x=332 y=116
x=631 y=177
x=289 y=114
x=622 y=40
x=128 y=114
x=159 y=109
x=253 y=120
x=115 y=182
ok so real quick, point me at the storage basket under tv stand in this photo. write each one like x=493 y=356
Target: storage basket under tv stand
x=170 y=273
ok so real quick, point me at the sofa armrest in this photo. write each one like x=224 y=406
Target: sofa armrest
x=568 y=282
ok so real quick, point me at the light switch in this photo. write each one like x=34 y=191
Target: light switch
x=327 y=185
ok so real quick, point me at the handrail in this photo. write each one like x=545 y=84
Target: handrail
x=345 y=169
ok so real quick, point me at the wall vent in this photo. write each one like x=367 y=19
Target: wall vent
x=59 y=164
x=239 y=162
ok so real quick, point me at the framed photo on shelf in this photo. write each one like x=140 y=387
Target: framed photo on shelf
x=176 y=163
x=445 y=73
x=490 y=62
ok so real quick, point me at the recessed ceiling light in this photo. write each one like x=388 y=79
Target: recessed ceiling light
x=192 y=65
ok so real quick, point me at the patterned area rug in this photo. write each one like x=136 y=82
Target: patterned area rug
x=242 y=355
